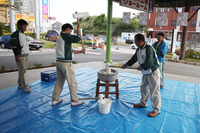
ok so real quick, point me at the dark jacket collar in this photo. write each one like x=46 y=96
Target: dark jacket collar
x=144 y=45
x=20 y=31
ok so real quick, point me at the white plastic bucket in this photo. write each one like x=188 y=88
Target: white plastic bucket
x=104 y=106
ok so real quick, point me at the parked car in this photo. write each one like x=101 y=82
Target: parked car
x=129 y=41
x=33 y=43
x=149 y=41
x=133 y=46
x=87 y=38
x=5 y=41
x=52 y=35
x=112 y=41
x=100 y=40
x=169 y=40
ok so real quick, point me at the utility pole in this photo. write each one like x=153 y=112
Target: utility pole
x=109 y=33
x=184 y=35
x=37 y=32
x=12 y=16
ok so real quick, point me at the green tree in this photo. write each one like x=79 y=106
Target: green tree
x=97 y=25
x=4 y=29
x=119 y=26
x=100 y=22
x=16 y=5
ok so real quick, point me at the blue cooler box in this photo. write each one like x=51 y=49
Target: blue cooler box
x=49 y=76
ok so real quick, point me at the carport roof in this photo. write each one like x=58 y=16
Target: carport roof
x=172 y=3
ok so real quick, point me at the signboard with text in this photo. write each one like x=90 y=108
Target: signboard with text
x=95 y=39
x=142 y=5
x=25 y=17
x=173 y=43
x=45 y=11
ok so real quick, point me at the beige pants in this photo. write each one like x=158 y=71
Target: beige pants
x=65 y=71
x=151 y=87
x=22 y=66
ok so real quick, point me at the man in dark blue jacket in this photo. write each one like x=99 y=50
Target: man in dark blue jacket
x=161 y=49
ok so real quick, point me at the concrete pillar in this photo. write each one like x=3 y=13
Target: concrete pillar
x=37 y=30
x=12 y=17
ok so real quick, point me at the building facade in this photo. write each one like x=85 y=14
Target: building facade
x=4 y=15
x=193 y=25
x=56 y=26
x=27 y=12
x=27 y=6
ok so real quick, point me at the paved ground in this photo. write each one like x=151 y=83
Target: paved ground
x=175 y=71
x=8 y=80
x=47 y=56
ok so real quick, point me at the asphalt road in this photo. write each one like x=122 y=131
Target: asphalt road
x=47 y=59
x=99 y=55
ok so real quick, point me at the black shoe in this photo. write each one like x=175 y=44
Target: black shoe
x=161 y=86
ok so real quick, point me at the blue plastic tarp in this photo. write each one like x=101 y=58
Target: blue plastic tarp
x=26 y=113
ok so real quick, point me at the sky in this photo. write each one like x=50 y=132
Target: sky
x=63 y=9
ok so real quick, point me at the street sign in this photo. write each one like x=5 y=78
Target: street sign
x=182 y=19
x=142 y=5
x=25 y=17
x=143 y=18
x=161 y=19
x=95 y=39
x=49 y=18
x=127 y=17
x=54 y=18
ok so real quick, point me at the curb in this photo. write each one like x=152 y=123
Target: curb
x=28 y=68
x=184 y=62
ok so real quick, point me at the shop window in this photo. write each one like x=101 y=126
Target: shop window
x=158 y=9
x=193 y=23
x=162 y=9
x=174 y=10
x=194 y=8
x=173 y=23
x=166 y=9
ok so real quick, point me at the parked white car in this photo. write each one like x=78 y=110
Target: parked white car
x=169 y=40
x=149 y=41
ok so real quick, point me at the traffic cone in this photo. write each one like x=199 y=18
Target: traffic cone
x=117 y=48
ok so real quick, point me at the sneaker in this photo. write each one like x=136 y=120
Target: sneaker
x=27 y=90
x=54 y=102
x=76 y=103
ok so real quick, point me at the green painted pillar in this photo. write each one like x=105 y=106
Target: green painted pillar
x=109 y=33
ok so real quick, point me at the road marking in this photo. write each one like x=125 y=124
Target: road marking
x=93 y=53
